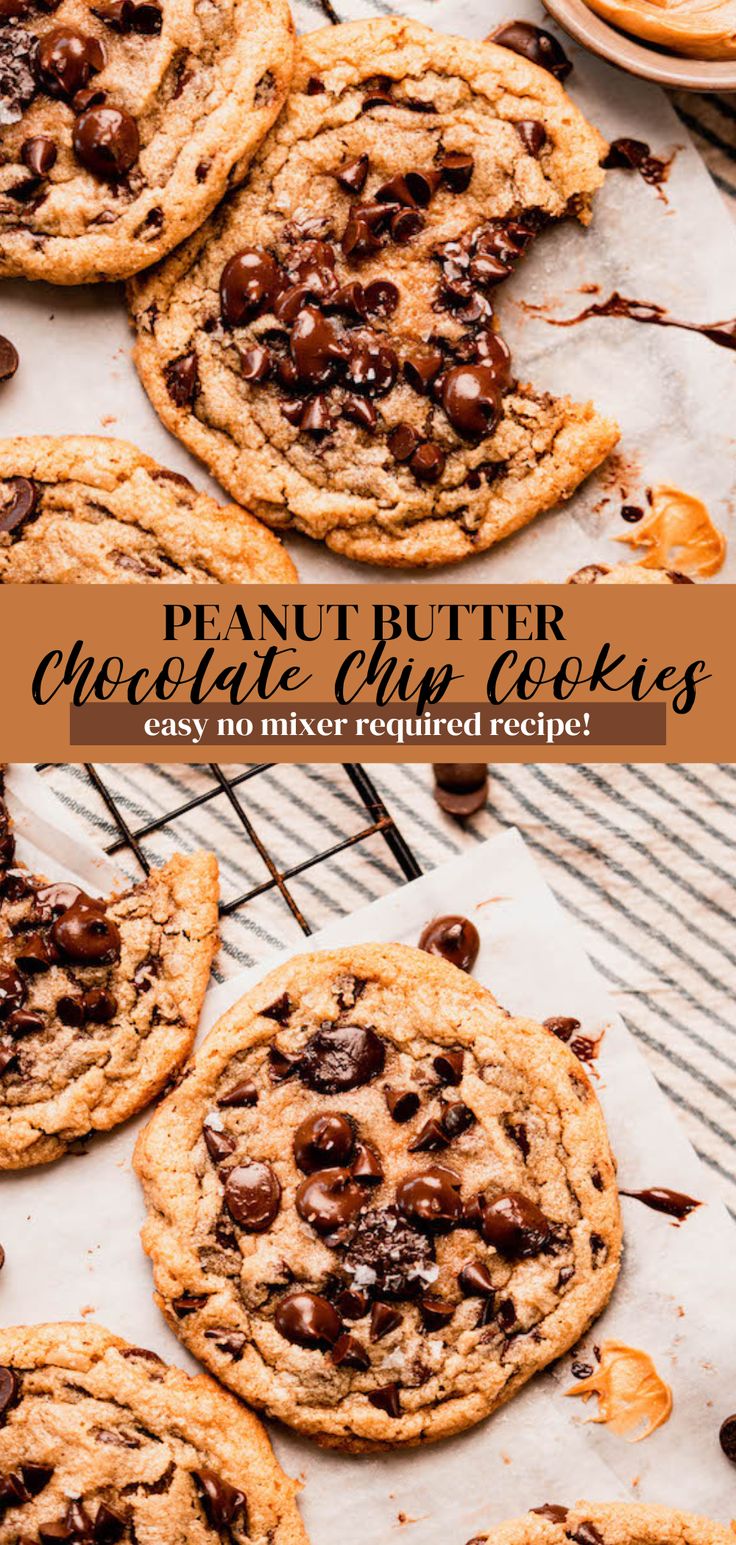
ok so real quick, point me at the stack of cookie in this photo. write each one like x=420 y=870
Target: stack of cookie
x=325 y=339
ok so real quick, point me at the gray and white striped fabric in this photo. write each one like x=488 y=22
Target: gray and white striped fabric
x=641 y=858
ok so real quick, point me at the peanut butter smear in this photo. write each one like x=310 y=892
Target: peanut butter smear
x=699 y=29
x=678 y=533
x=632 y=1399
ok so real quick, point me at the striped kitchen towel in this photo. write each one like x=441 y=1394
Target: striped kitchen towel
x=640 y=857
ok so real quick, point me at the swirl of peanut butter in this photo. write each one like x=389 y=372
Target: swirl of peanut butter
x=696 y=28
x=632 y=1398
x=678 y=533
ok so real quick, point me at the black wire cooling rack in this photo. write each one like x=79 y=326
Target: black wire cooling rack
x=379 y=823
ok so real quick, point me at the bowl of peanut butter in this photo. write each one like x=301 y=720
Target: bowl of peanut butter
x=688 y=44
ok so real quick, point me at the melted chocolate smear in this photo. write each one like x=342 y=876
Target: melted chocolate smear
x=453 y=938
x=634 y=155
x=674 y=1203
x=722 y=333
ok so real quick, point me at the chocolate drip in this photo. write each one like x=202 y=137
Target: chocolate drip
x=722 y=333
x=674 y=1203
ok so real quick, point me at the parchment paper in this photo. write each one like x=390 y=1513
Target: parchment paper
x=671 y=392
x=70 y=1232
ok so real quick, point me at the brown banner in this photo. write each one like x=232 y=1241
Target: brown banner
x=542 y=673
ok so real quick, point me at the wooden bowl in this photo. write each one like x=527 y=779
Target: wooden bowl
x=640 y=58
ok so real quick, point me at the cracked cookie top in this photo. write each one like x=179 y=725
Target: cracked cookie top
x=80 y=509
x=123 y=122
x=377 y=1203
x=612 y=1523
x=327 y=343
x=99 y=998
x=101 y=1442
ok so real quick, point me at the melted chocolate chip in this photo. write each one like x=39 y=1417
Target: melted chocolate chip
x=532 y=134
x=455 y=939
x=66 y=59
x=384 y=1319
x=366 y=1166
x=361 y=412
x=475 y=1280
x=219 y=1144
x=241 y=1095
x=561 y=1026
x=430 y=1138
x=248 y=285
x=402 y=442
x=35 y=954
x=428 y=462
x=387 y=1399
x=252 y=1196
x=471 y=399
x=536 y=45
x=22 y=1022
x=421 y=368
x=107 y=142
x=402 y=1103
x=337 y=1058
x=223 y=1504
x=380 y=298
x=431 y=1199
x=515 y=1226
x=19 y=502
x=322 y=1141
x=280 y=1009
x=99 y=1006
x=349 y=1353
x=109 y=1526
x=9 y=1389
x=316 y=348
x=352 y=176
x=328 y=1200
x=255 y=364
x=389 y=1255
x=352 y=1305
x=84 y=933
x=182 y=380
x=12 y=990
x=187 y=1303
x=405 y=225
x=372 y=366
x=457 y=170
x=436 y=1312
x=448 y=1065
x=8 y=355
x=231 y=1342
x=308 y=1320
x=552 y=1511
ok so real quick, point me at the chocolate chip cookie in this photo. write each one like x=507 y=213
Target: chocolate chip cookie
x=377 y=1203
x=101 y=1442
x=612 y=1523
x=99 y=999
x=86 y=510
x=123 y=122
x=626 y=574
x=327 y=344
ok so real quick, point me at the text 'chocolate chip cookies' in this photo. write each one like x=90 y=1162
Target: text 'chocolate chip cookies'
x=80 y=509
x=101 y=1442
x=326 y=344
x=377 y=1203
x=612 y=1523
x=123 y=123
x=99 y=999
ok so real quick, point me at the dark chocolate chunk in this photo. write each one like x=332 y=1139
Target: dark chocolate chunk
x=66 y=59
x=308 y=1320
x=402 y=442
x=328 y=1200
x=436 y=1312
x=341 y=1057
x=224 y=1505
x=85 y=934
x=515 y=1226
x=422 y=366
x=182 y=380
x=352 y=176
x=402 y=1103
x=384 y=1319
x=349 y=1353
x=19 y=498
x=561 y=1027
x=323 y=1141
x=9 y=1389
x=106 y=141
x=242 y=1094
x=457 y=170
x=475 y=1280
x=252 y=1195
x=366 y=1166
x=219 y=1144
x=431 y=1199
x=387 y=1399
x=430 y=1138
x=448 y=1065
